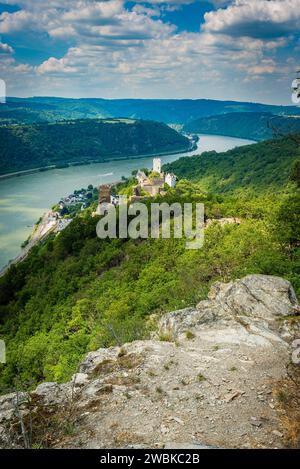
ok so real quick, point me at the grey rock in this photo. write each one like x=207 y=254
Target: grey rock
x=95 y=388
x=79 y=379
x=93 y=359
x=260 y=297
x=175 y=445
x=255 y=422
x=54 y=393
x=10 y=401
x=171 y=324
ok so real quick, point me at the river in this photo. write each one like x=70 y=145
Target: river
x=25 y=198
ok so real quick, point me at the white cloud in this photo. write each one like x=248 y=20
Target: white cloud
x=17 y=21
x=5 y=48
x=170 y=2
x=115 y=52
x=255 y=18
x=182 y=62
x=54 y=66
x=84 y=19
x=142 y=9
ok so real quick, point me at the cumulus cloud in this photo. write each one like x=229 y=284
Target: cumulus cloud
x=56 y=66
x=185 y=61
x=142 y=9
x=255 y=18
x=84 y=19
x=5 y=48
x=115 y=51
x=17 y=21
x=170 y=2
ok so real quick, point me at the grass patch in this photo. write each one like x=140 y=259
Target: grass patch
x=287 y=393
x=189 y=335
x=166 y=337
x=200 y=378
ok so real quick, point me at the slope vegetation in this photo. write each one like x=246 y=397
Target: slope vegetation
x=254 y=125
x=258 y=167
x=37 y=145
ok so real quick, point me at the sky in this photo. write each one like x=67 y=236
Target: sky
x=245 y=50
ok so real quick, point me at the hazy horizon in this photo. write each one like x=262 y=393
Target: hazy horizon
x=147 y=99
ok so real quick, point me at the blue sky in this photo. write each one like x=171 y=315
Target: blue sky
x=221 y=49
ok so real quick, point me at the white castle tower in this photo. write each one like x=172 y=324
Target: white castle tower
x=157 y=165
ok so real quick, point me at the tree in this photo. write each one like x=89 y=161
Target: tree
x=295 y=173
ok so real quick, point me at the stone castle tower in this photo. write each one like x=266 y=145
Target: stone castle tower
x=157 y=165
x=104 y=194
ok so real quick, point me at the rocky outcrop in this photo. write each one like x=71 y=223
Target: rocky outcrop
x=252 y=300
x=206 y=379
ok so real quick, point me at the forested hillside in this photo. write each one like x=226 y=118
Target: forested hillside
x=37 y=145
x=75 y=293
x=259 y=167
x=176 y=111
x=254 y=125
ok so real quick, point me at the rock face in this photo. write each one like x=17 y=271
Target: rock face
x=205 y=380
x=253 y=298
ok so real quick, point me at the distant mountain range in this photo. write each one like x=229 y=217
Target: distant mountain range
x=31 y=146
x=170 y=111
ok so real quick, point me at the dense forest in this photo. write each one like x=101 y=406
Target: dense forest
x=256 y=167
x=39 y=145
x=75 y=292
x=254 y=125
x=176 y=111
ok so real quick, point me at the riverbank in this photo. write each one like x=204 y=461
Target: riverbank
x=55 y=221
x=41 y=230
x=192 y=147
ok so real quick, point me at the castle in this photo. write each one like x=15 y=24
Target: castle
x=151 y=184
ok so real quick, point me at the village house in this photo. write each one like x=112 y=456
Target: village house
x=153 y=186
x=115 y=199
x=170 y=179
x=141 y=176
x=62 y=224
